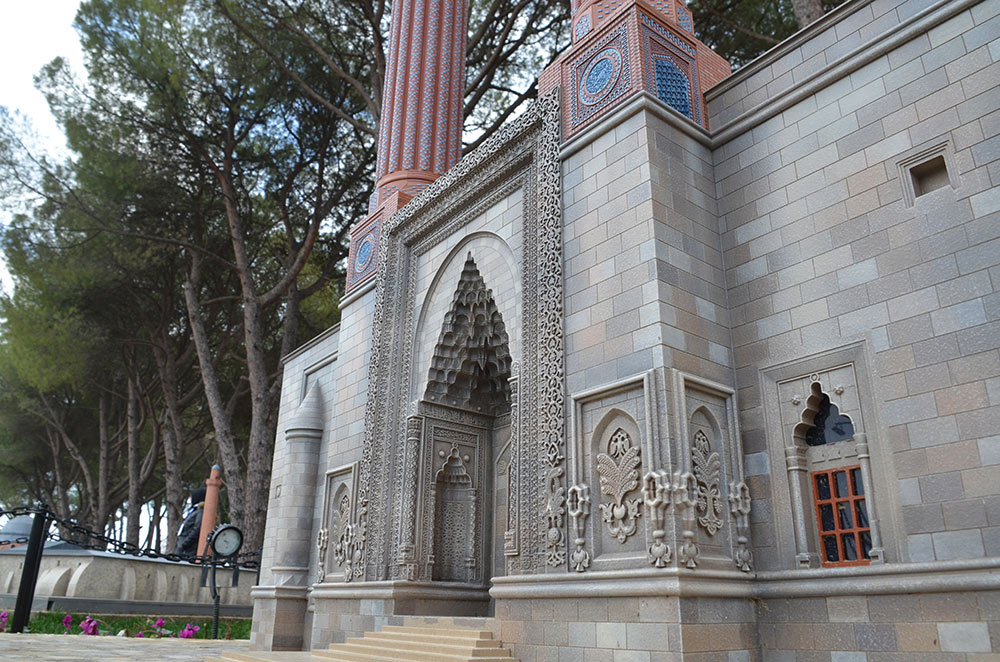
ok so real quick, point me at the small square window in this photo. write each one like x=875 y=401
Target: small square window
x=926 y=170
x=929 y=176
x=842 y=517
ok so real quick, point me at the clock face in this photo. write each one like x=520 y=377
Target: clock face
x=227 y=540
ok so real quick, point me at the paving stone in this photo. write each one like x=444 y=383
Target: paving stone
x=62 y=648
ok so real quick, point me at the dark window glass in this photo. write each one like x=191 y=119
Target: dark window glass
x=850 y=547
x=844 y=510
x=823 y=486
x=841 y=478
x=862 y=511
x=857 y=484
x=829 y=425
x=826 y=517
x=830 y=548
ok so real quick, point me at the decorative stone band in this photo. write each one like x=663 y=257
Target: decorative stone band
x=886 y=579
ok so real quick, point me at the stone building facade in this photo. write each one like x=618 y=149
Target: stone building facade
x=677 y=365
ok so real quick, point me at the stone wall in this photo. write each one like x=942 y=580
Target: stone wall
x=104 y=576
x=825 y=246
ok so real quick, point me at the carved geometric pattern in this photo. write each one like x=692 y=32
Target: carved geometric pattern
x=619 y=470
x=707 y=471
x=672 y=86
x=661 y=44
x=609 y=55
x=454 y=528
x=471 y=364
x=522 y=155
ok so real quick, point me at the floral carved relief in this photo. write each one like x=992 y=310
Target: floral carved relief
x=322 y=539
x=619 y=472
x=707 y=470
x=578 y=503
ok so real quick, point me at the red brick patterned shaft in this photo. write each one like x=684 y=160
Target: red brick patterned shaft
x=420 y=136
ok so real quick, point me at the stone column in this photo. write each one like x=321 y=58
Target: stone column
x=208 y=520
x=280 y=609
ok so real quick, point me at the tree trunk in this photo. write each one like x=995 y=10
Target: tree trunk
x=807 y=11
x=134 y=478
x=100 y=520
x=213 y=395
x=173 y=441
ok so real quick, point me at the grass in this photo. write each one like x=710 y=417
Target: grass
x=47 y=622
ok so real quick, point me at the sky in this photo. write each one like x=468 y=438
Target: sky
x=32 y=33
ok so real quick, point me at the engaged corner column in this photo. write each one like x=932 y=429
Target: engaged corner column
x=283 y=604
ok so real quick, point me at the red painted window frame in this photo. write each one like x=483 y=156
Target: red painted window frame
x=851 y=499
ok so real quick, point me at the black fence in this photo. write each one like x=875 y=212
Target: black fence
x=70 y=532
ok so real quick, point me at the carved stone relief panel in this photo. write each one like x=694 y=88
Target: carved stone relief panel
x=610 y=458
x=707 y=443
x=337 y=539
x=710 y=492
x=501 y=490
x=457 y=497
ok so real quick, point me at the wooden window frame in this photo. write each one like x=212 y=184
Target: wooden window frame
x=838 y=532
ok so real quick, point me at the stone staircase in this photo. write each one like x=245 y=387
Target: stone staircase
x=398 y=643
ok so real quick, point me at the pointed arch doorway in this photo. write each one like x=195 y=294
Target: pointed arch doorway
x=458 y=448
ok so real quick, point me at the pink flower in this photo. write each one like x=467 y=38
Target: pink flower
x=159 y=623
x=89 y=626
x=3 y=621
x=189 y=631
x=139 y=635
x=67 y=621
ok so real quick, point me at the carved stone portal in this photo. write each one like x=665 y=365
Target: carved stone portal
x=451 y=472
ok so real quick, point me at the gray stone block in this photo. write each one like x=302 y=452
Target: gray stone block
x=964 y=637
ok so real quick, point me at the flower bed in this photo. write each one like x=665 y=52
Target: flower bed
x=130 y=626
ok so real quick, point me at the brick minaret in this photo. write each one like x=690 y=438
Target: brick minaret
x=420 y=132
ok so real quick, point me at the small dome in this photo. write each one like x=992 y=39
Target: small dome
x=309 y=415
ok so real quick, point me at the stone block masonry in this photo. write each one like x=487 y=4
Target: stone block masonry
x=754 y=389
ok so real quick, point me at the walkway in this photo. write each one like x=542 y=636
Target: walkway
x=73 y=648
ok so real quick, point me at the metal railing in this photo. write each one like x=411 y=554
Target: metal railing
x=70 y=532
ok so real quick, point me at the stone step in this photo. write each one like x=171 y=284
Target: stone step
x=448 y=642
x=440 y=641
x=439 y=630
x=329 y=656
x=404 y=650
x=433 y=640
x=262 y=656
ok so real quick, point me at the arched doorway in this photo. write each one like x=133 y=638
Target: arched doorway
x=459 y=439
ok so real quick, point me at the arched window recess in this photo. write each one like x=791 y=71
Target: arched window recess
x=830 y=485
